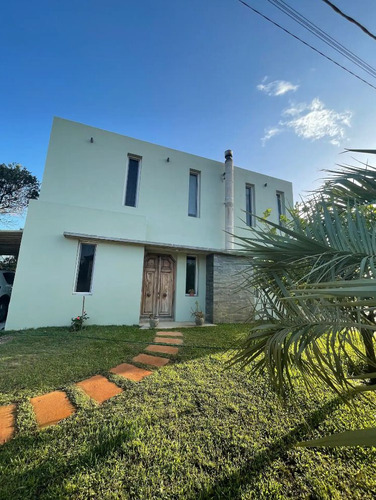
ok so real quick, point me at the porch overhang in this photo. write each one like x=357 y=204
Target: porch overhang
x=10 y=242
x=150 y=245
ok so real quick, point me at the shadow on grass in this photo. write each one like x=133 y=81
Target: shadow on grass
x=187 y=351
x=54 y=470
x=230 y=486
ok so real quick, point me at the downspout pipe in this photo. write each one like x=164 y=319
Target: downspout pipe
x=229 y=200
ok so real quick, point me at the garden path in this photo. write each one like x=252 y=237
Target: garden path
x=53 y=407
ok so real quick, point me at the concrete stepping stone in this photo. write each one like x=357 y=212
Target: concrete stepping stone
x=131 y=372
x=51 y=408
x=170 y=334
x=165 y=349
x=168 y=341
x=150 y=360
x=7 y=422
x=99 y=388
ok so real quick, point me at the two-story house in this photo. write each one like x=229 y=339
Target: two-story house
x=137 y=229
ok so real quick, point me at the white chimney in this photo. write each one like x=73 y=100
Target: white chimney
x=229 y=200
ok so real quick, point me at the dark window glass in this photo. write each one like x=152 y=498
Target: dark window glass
x=193 y=195
x=132 y=182
x=249 y=201
x=190 y=281
x=85 y=268
x=280 y=207
x=9 y=278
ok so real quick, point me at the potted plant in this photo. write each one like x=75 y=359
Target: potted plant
x=191 y=292
x=78 y=321
x=153 y=321
x=199 y=315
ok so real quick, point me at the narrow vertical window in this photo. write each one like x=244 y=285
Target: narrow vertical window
x=250 y=203
x=191 y=276
x=193 y=201
x=132 y=181
x=85 y=268
x=280 y=205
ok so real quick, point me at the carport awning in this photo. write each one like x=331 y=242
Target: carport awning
x=10 y=242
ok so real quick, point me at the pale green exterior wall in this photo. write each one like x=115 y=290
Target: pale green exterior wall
x=82 y=174
x=83 y=192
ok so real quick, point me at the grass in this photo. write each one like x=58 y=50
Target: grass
x=195 y=429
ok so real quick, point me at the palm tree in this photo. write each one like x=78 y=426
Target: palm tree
x=316 y=279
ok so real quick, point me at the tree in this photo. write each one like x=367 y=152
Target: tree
x=8 y=263
x=17 y=187
x=317 y=276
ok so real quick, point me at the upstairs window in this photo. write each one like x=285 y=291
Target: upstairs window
x=280 y=205
x=131 y=188
x=250 y=203
x=191 y=276
x=194 y=187
x=85 y=268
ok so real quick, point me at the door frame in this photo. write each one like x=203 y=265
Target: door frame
x=159 y=254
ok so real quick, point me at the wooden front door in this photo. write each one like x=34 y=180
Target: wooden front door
x=158 y=286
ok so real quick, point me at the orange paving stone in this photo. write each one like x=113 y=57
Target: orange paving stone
x=7 y=422
x=51 y=408
x=99 y=388
x=168 y=341
x=170 y=334
x=131 y=372
x=166 y=349
x=150 y=360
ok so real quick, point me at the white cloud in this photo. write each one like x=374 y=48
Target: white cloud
x=312 y=121
x=269 y=133
x=294 y=109
x=278 y=87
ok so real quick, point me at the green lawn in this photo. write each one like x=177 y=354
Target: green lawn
x=194 y=429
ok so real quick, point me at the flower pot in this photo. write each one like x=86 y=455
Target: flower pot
x=199 y=321
x=154 y=322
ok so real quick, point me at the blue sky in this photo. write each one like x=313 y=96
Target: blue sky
x=201 y=76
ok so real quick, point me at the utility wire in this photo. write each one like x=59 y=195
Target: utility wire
x=351 y=19
x=323 y=36
x=307 y=44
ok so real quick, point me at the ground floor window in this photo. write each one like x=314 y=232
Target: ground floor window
x=191 y=276
x=85 y=266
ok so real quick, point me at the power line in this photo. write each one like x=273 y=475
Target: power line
x=323 y=36
x=351 y=19
x=307 y=44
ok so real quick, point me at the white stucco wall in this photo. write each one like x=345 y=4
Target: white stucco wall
x=83 y=192
x=265 y=189
x=93 y=175
x=45 y=278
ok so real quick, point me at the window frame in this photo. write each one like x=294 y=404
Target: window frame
x=196 y=275
x=250 y=219
x=138 y=158
x=77 y=269
x=280 y=196
x=196 y=173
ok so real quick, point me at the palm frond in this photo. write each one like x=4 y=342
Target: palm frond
x=361 y=437
x=354 y=184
